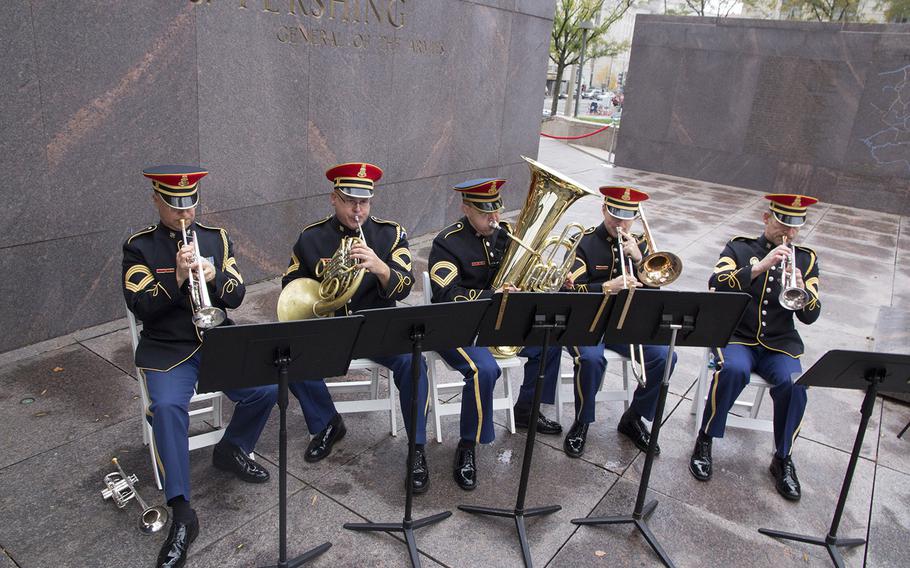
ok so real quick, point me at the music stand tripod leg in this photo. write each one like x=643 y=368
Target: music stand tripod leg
x=282 y=360
x=642 y=511
x=831 y=541
x=407 y=526
x=519 y=513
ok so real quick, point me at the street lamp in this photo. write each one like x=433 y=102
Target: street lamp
x=585 y=26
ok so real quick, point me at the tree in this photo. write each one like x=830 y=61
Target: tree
x=896 y=11
x=565 y=39
x=821 y=10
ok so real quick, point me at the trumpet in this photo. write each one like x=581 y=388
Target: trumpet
x=791 y=296
x=205 y=315
x=120 y=488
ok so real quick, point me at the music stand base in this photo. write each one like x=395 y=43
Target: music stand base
x=640 y=522
x=406 y=528
x=519 y=517
x=303 y=558
x=828 y=542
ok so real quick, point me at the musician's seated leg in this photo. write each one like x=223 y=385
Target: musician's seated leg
x=480 y=373
x=548 y=396
x=400 y=365
x=789 y=406
x=251 y=412
x=644 y=400
x=322 y=420
x=726 y=385
x=589 y=366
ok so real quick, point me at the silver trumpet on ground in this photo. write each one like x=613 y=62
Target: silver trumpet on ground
x=205 y=315
x=791 y=296
x=121 y=488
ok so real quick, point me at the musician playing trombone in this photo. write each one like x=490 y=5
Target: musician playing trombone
x=164 y=278
x=463 y=261
x=766 y=340
x=381 y=249
x=606 y=261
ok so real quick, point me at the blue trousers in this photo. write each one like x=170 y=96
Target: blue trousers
x=590 y=365
x=170 y=393
x=550 y=379
x=318 y=408
x=480 y=372
x=738 y=362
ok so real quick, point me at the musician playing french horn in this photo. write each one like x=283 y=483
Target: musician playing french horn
x=607 y=260
x=766 y=340
x=380 y=249
x=173 y=286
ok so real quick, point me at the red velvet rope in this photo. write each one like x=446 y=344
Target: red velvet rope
x=575 y=137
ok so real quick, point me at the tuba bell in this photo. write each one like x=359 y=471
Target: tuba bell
x=530 y=261
x=306 y=298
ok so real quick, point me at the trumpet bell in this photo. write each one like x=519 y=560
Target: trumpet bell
x=153 y=520
x=659 y=269
x=207 y=318
x=298 y=300
x=793 y=298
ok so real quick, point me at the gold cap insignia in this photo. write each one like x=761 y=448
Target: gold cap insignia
x=798 y=202
x=363 y=171
x=493 y=187
x=184 y=181
x=627 y=195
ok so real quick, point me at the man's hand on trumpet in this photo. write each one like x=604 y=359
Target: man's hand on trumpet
x=629 y=246
x=184 y=264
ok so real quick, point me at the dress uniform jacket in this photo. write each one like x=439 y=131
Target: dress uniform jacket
x=319 y=241
x=765 y=321
x=597 y=259
x=150 y=288
x=463 y=263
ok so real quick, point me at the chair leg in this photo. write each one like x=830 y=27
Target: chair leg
x=147 y=430
x=507 y=388
x=558 y=398
x=434 y=401
x=630 y=390
x=217 y=410
x=393 y=410
x=698 y=402
x=374 y=383
x=756 y=405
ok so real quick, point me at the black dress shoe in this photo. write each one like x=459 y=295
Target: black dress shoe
x=228 y=457
x=544 y=424
x=784 y=473
x=321 y=444
x=465 y=468
x=700 y=462
x=176 y=547
x=420 y=474
x=631 y=425
x=574 y=445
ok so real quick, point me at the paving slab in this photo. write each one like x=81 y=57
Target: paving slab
x=116 y=348
x=889 y=534
x=312 y=519
x=68 y=524
x=894 y=452
x=58 y=397
x=465 y=539
x=691 y=537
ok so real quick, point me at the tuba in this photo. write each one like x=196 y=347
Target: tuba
x=306 y=298
x=530 y=262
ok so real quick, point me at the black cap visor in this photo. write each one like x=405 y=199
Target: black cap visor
x=622 y=213
x=790 y=220
x=486 y=206
x=356 y=192
x=180 y=202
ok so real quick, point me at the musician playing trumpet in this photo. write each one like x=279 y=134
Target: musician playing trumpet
x=160 y=272
x=607 y=259
x=766 y=340
x=381 y=250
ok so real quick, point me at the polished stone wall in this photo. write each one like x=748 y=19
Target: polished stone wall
x=789 y=107
x=267 y=94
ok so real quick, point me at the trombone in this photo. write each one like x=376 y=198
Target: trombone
x=205 y=315
x=791 y=296
x=120 y=488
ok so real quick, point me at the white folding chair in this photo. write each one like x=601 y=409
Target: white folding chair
x=210 y=411
x=748 y=407
x=566 y=389
x=374 y=402
x=439 y=407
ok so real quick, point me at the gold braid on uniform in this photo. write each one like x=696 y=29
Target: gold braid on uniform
x=728 y=265
x=437 y=276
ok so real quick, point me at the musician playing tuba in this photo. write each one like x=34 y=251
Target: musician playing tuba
x=370 y=259
x=598 y=268
x=157 y=270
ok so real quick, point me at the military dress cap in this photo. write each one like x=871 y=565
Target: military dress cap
x=622 y=202
x=789 y=208
x=354 y=179
x=482 y=194
x=177 y=185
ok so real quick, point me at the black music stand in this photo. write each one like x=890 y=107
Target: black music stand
x=389 y=331
x=856 y=370
x=240 y=356
x=658 y=317
x=538 y=319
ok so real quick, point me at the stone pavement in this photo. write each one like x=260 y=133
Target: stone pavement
x=70 y=404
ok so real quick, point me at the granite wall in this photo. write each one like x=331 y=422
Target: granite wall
x=266 y=94
x=819 y=109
